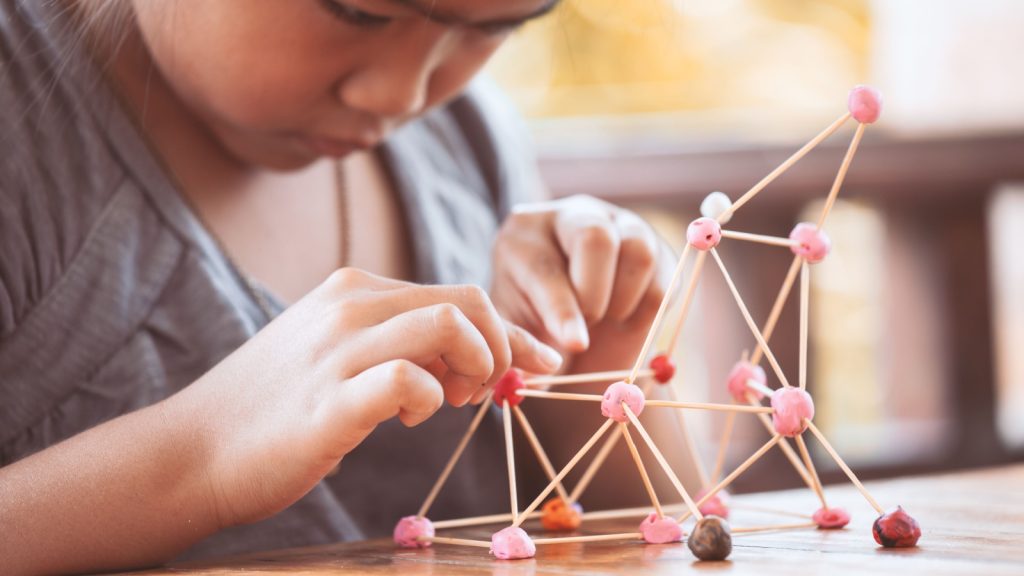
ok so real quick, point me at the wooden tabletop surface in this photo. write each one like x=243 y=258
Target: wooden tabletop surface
x=972 y=523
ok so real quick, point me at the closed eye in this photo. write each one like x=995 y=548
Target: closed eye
x=353 y=15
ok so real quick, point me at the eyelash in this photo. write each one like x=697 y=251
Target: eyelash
x=354 y=16
x=358 y=17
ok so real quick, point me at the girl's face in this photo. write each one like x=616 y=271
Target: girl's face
x=282 y=82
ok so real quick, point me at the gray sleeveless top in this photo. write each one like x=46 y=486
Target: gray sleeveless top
x=113 y=295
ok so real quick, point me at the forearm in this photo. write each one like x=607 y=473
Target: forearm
x=131 y=492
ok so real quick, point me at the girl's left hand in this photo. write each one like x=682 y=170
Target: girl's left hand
x=584 y=276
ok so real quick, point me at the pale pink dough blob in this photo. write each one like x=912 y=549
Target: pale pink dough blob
x=865 y=104
x=615 y=395
x=410 y=529
x=814 y=244
x=512 y=543
x=831 y=518
x=717 y=505
x=790 y=406
x=662 y=530
x=738 y=376
x=704 y=233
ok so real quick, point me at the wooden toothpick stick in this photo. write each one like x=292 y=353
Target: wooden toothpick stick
x=750 y=321
x=818 y=489
x=841 y=175
x=691 y=289
x=643 y=470
x=565 y=470
x=691 y=444
x=558 y=395
x=656 y=324
x=776 y=312
x=594 y=538
x=455 y=541
x=479 y=520
x=749 y=194
x=723 y=444
x=506 y=416
x=759 y=238
x=734 y=474
x=708 y=406
x=663 y=462
x=542 y=456
x=787 y=450
x=592 y=377
x=774 y=528
x=849 y=473
x=805 y=288
x=473 y=425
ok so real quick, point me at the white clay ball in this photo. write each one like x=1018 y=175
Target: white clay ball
x=714 y=205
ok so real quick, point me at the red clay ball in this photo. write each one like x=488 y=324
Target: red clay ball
x=664 y=368
x=896 y=529
x=506 y=388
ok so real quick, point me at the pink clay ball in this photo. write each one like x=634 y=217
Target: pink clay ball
x=409 y=530
x=615 y=395
x=506 y=388
x=512 y=543
x=831 y=518
x=717 y=505
x=662 y=530
x=704 y=233
x=790 y=406
x=741 y=372
x=865 y=104
x=813 y=245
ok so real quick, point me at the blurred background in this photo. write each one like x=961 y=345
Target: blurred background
x=917 y=317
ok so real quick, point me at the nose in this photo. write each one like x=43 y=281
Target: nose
x=394 y=82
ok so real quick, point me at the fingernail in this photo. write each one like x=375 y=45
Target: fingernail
x=575 y=331
x=549 y=356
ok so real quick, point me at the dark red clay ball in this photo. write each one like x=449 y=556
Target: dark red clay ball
x=664 y=368
x=896 y=529
x=506 y=388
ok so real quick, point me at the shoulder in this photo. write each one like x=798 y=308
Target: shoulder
x=56 y=174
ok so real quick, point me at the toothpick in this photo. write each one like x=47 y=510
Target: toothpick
x=691 y=289
x=568 y=468
x=750 y=321
x=664 y=463
x=643 y=470
x=473 y=425
x=755 y=385
x=592 y=377
x=780 y=301
x=640 y=511
x=506 y=417
x=595 y=465
x=810 y=468
x=455 y=541
x=542 y=456
x=479 y=520
x=765 y=510
x=594 y=538
x=805 y=288
x=691 y=444
x=849 y=473
x=707 y=406
x=559 y=395
x=774 y=528
x=723 y=444
x=656 y=324
x=760 y=238
x=841 y=175
x=735 y=474
x=787 y=450
x=749 y=194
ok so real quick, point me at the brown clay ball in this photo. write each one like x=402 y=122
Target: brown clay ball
x=710 y=539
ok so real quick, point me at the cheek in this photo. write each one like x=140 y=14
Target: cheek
x=458 y=69
x=252 y=66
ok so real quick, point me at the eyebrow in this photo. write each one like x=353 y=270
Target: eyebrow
x=426 y=8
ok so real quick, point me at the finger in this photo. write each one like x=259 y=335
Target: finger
x=423 y=336
x=357 y=405
x=637 y=263
x=345 y=281
x=530 y=354
x=471 y=300
x=589 y=239
x=539 y=273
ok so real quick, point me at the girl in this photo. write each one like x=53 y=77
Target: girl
x=238 y=237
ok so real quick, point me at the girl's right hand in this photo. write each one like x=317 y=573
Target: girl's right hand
x=281 y=411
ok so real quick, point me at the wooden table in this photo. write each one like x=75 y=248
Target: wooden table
x=972 y=523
